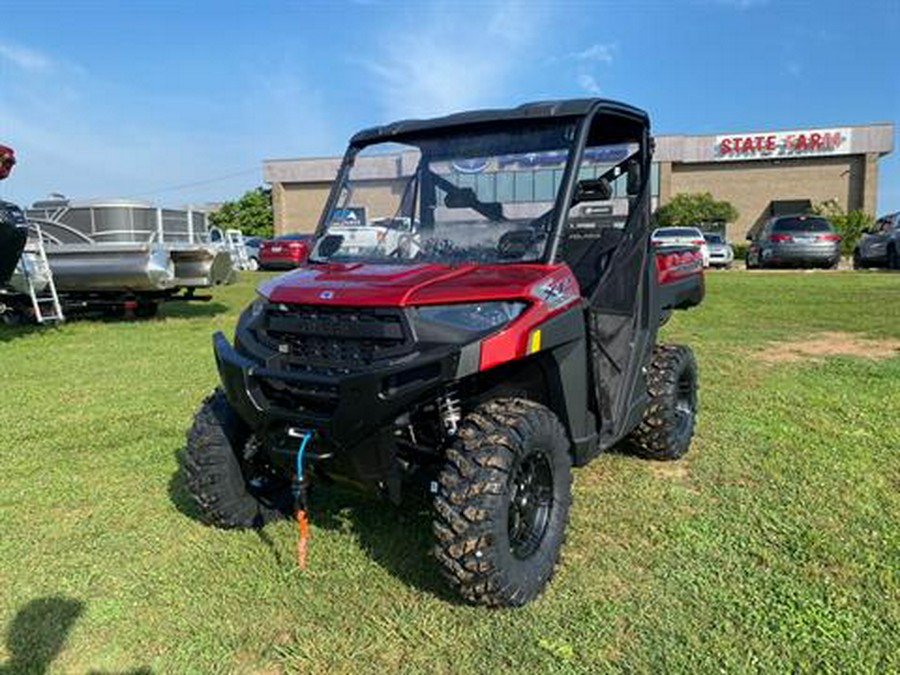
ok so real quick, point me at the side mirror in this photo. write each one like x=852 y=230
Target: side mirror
x=633 y=181
x=592 y=190
x=462 y=198
x=330 y=245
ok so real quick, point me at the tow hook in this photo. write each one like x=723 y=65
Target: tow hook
x=299 y=485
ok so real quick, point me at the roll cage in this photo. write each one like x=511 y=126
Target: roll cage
x=597 y=122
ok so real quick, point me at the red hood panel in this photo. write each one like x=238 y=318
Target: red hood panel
x=399 y=285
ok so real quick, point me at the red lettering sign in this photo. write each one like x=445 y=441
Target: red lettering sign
x=782 y=144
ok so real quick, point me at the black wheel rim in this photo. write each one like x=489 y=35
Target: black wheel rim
x=531 y=500
x=684 y=404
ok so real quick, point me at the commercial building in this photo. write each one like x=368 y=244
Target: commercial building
x=759 y=172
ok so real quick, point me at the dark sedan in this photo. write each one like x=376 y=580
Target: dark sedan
x=795 y=241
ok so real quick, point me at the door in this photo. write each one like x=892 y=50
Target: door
x=606 y=244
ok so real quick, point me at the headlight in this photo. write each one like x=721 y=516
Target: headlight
x=256 y=307
x=480 y=317
x=253 y=312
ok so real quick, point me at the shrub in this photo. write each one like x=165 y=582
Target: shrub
x=695 y=209
x=740 y=249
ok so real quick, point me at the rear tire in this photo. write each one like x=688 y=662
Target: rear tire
x=667 y=427
x=857 y=260
x=214 y=474
x=503 y=503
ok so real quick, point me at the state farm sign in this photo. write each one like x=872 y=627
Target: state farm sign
x=802 y=143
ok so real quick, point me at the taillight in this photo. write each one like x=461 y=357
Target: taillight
x=829 y=237
x=294 y=245
x=698 y=242
x=780 y=237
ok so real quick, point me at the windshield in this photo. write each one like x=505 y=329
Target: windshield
x=713 y=238
x=801 y=224
x=451 y=196
x=664 y=232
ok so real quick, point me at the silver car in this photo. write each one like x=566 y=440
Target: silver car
x=720 y=252
x=880 y=246
x=795 y=241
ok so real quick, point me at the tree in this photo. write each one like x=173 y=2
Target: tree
x=849 y=224
x=251 y=214
x=695 y=209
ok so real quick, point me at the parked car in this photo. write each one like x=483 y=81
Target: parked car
x=663 y=236
x=285 y=252
x=384 y=235
x=795 y=241
x=720 y=252
x=252 y=246
x=880 y=246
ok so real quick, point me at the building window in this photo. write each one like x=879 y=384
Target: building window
x=504 y=187
x=543 y=186
x=484 y=187
x=524 y=186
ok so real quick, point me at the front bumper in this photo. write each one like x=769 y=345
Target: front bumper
x=343 y=411
x=279 y=263
x=801 y=255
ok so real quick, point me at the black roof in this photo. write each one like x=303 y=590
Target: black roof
x=576 y=107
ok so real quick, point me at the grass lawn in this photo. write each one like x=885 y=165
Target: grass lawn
x=773 y=547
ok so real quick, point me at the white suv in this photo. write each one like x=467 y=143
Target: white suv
x=682 y=236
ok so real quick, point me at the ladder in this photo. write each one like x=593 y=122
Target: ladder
x=44 y=301
x=234 y=239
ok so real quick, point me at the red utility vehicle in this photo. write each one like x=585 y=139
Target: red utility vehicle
x=285 y=252
x=508 y=335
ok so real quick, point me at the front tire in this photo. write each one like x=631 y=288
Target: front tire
x=502 y=503
x=893 y=259
x=667 y=426
x=214 y=467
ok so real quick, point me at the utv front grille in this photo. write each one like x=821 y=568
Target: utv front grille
x=335 y=339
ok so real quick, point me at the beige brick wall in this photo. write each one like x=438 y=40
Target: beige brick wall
x=750 y=186
x=297 y=206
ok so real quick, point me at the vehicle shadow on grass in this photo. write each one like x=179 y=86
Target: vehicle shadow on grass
x=37 y=634
x=10 y=333
x=398 y=539
x=191 y=310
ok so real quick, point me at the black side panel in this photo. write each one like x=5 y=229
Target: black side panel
x=12 y=242
x=569 y=383
x=624 y=321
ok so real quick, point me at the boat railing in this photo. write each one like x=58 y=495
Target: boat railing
x=38 y=227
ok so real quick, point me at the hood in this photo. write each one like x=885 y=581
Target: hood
x=404 y=285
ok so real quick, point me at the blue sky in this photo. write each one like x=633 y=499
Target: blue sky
x=180 y=102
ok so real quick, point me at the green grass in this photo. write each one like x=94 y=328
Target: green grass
x=773 y=547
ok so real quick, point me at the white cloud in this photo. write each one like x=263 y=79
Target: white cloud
x=26 y=59
x=599 y=52
x=589 y=84
x=86 y=137
x=441 y=64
